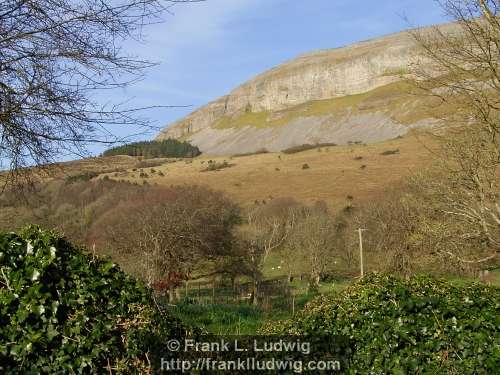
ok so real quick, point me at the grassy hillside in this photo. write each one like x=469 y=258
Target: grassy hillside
x=333 y=173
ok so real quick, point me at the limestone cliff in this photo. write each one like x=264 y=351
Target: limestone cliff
x=352 y=93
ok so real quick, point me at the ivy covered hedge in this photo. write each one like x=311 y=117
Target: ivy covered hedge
x=62 y=311
x=418 y=326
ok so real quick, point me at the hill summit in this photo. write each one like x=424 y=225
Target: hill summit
x=356 y=93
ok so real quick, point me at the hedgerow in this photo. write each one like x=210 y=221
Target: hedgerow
x=415 y=326
x=62 y=311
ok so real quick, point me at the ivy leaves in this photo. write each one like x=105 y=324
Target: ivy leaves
x=417 y=326
x=63 y=311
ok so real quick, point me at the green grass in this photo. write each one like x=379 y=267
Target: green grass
x=243 y=318
x=255 y=119
x=315 y=108
x=464 y=281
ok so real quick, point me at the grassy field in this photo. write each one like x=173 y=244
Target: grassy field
x=242 y=318
x=245 y=319
x=334 y=172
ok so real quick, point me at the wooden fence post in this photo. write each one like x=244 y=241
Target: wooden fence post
x=213 y=292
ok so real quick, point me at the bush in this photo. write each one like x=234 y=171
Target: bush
x=149 y=163
x=86 y=176
x=259 y=151
x=305 y=166
x=62 y=311
x=214 y=166
x=417 y=326
x=305 y=147
x=390 y=152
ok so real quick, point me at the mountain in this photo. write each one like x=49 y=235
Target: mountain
x=356 y=93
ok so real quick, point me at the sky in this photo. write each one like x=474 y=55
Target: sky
x=206 y=49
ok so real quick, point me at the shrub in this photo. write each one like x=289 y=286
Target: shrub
x=150 y=163
x=358 y=158
x=259 y=151
x=214 y=166
x=417 y=326
x=305 y=147
x=390 y=152
x=87 y=176
x=161 y=174
x=363 y=166
x=62 y=311
x=305 y=166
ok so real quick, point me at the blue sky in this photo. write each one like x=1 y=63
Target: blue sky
x=206 y=49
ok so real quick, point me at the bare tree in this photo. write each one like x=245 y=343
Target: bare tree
x=460 y=67
x=314 y=242
x=174 y=231
x=266 y=230
x=56 y=56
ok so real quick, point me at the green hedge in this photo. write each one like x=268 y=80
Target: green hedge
x=62 y=311
x=419 y=326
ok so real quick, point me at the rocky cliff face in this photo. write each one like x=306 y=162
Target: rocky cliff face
x=339 y=95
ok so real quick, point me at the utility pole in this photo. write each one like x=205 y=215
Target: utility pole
x=360 y=232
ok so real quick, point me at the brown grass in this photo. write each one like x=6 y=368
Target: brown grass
x=332 y=176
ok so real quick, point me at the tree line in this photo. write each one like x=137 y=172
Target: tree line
x=168 y=148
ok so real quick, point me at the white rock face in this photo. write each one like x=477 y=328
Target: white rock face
x=327 y=74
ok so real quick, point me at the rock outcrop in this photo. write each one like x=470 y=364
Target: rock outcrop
x=352 y=93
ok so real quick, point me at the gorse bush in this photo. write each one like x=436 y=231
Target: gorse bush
x=86 y=176
x=390 y=152
x=306 y=147
x=62 y=311
x=417 y=326
x=214 y=166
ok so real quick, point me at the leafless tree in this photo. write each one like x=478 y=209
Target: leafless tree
x=266 y=229
x=314 y=242
x=179 y=230
x=56 y=57
x=460 y=66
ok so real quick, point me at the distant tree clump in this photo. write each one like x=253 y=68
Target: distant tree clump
x=168 y=148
